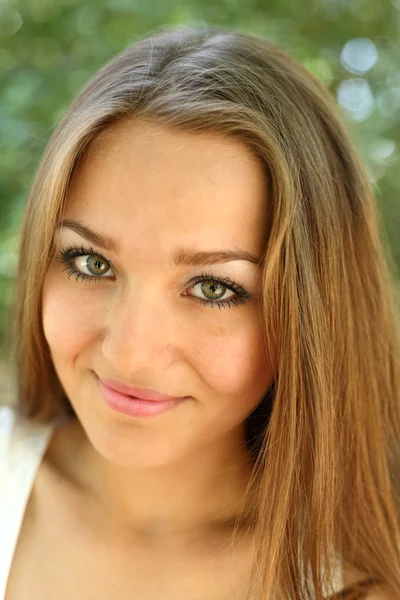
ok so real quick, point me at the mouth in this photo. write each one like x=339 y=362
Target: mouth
x=139 y=393
x=144 y=403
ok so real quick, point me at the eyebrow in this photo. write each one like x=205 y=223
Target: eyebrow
x=182 y=256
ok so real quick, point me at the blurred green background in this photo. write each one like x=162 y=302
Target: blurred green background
x=49 y=48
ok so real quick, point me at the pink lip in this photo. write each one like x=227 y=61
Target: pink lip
x=141 y=393
x=135 y=402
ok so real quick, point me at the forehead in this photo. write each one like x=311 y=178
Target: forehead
x=150 y=180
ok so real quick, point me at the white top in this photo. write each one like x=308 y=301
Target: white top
x=22 y=447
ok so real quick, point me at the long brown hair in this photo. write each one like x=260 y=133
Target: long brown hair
x=326 y=439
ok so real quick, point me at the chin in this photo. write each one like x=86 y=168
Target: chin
x=132 y=446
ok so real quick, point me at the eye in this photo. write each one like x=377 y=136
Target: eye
x=85 y=264
x=94 y=265
x=216 y=291
x=213 y=290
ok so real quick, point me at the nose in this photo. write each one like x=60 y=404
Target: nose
x=139 y=334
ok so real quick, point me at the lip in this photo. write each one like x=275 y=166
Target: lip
x=136 y=406
x=141 y=393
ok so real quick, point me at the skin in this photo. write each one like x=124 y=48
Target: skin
x=153 y=190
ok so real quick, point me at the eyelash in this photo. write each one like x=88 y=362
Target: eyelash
x=67 y=255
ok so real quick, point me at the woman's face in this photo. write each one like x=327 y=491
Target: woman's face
x=136 y=314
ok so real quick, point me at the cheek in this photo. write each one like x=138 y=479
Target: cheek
x=233 y=361
x=68 y=321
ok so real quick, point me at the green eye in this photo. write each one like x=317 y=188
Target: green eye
x=213 y=290
x=217 y=291
x=85 y=264
x=95 y=265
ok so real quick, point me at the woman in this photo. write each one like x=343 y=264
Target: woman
x=207 y=341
